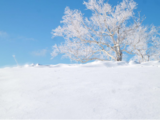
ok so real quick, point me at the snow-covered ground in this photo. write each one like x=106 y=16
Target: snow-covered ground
x=97 y=90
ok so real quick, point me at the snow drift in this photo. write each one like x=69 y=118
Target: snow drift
x=98 y=90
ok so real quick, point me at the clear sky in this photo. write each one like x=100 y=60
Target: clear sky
x=26 y=25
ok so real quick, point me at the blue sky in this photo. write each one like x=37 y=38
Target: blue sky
x=25 y=27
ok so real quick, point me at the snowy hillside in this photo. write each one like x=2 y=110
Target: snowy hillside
x=108 y=90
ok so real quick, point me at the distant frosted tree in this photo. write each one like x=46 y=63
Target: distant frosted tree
x=108 y=34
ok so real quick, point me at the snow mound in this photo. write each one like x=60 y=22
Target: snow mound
x=151 y=63
x=35 y=65
x=133 y=63
x=105 y=64
x=102 y=64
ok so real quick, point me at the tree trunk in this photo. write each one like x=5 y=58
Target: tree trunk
x=119 y=57
x=119 y=54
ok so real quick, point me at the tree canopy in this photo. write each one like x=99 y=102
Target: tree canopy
x=109 y=34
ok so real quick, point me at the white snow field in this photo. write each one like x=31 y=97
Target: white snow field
x=98 y=90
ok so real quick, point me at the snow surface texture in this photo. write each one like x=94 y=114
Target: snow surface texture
x=97 y=90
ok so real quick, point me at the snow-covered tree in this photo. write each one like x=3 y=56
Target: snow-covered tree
x=109 y=34
x=150 y=46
